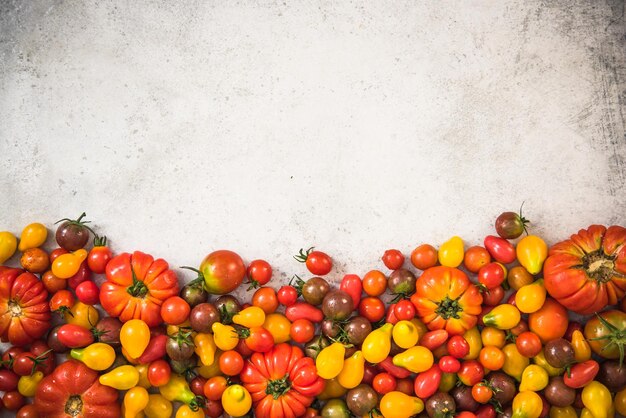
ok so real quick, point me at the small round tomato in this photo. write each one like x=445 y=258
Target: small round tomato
x=471 y=372
x=519 y=277
x=99 y=255
x=458 y=346
x=52 y=283
x=27 y=411
x=491 y=275
x=35 y=260
x=62 y=301
x=424 y=256
x=231 y=363
x=493 y=336
x=549 y=322
x=13 y=400
x=528 y=344
x=159 y=373
x=279 y=326
x=449 y=364
x=393 y=259
x=481 y=393
x=24 y=364
x=287 y=295
x=214 y=387
x=475 y=258
x=491 y=357
x=266 y=299
x=372 y=308
x=302 y=331
x=175 y=310
x=493 y=297
x=259 y=273
x=405 y=386
x=384 y=383
x=8 y=380
x=45 y=358
x=317 y=262
x=374 y=283
x=404 y=310
x=88 y=292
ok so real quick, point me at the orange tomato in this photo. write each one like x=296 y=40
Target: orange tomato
x=374 y=283
x=475 y=258
x=493 y=336
x=549 y=322
x=424 y=256
x=266 y=299
x=231 y=363
x=491 y=357
x=519 y=277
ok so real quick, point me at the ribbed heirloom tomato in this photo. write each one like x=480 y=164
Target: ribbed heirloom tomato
x=136 y=286
x=588 y=271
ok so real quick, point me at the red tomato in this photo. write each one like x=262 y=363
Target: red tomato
x=266 y=299
x=81 y=275
x=458 y=347
x=88 y=292
x=581 y=374
x=500 y=249
x=231 y=363
x=304 y=310
x=159 y=373
x=8 y=380
x=427 y=383
x=259 y=340
x=302 y=331
x=404 y=310
x=549 y=322
x=384 y=383
x=405 y=386
x=449 y=364
x=287 y=295
x=24 y=364
x=434 y=339
x=259 y=273
x=213 y=409
x=491 y=275
x=352 y=285
x=62 y=301
x=74 y=336
x=197 y=385
x=475 y=258
x=471 y=372
x=373 y=309
x=393 y=259
x=13 y=400
x=528 y=344
x=465 y=414
x=317 y=262
x=481 y=393
x=45 y=357
x=374 y=283
x=424 y=257
x=99 y=255
x=486 y=411
x=27 y=411
x=175 y=310
x=52 y=283
x=493 y=297
x=57 y=252
x=214 y=387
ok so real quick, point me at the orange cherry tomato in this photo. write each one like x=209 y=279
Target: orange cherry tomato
x=266 y=299
x=493 y=336
x=491 y=357
x=424 y=256
x=481 y=393
x=175 y=310
x=374 y=283
x=372 y=308
x=550 y=322
x=476 y=257
x=519 y=277
x=214 y=387
x=231 y=363
x=528 y=344
x=302 y=331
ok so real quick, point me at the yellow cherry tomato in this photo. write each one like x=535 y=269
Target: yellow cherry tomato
x=27 y=385
x=493 y=336
x=451 y=252
x=597 y=399
x=416 y=359
x=472 y=336
x=225 y=337
x=377 y=344
x=582 y=350
x=564 y=412
x=135 y=401
x=504 y=316
x=397 y=404
x=158 y=407
x=531 y=253
x=236 y=400
x=353 y=370
x=250 y=317
x=279 y=326
x=8 y=245
x=67 y=265
x=121 y=378
x=33 y=235
x=330 y=360
x=530 y=298
x=527 y=404
x=332 y=390
x=82 y=315
x=97 y=356
x=405 y=334
x=620 y=402
x=205 y=348
x=142 y=370
x=135 y=336
x=534 y=378
x=540 y=360
x=514 y=362
x=185 y=411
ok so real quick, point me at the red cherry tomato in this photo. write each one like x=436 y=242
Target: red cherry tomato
x=175 y=310
x=317 y=262
x=352 y=285
x=159 y=373
x=259 y=273
x=62 y=301
x=493 y=297
x=88 y=292
x=231 y=363
x=458 y=346
x=384 y=383
x=476 y=257
x=99 y=255
x=13 y=400
x=424 y=257
x=393 y=259
x=8 y=380
x=372 y=308
x=500 y=249
x=84 y=273
x=491 y=275
x=404 y=310
x=24 y=364
x=449 y=364
x=302 y=331
x=471 y=372
x=287 y=295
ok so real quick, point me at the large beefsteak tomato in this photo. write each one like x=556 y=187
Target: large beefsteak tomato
x=73 y=390
x=282 y=382
x=24 y=309
x=136 y=286
x=588 y=271
x=446 y=299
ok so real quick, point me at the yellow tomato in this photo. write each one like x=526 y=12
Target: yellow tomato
x=121 y=378
x=205 y=348
x=250 y=317
x=514 y=362
x=597 y=399
x=186 y=412
x=211 y=370
x=135 y=336
x=135 y=401
x=278 y=325
x=493 y=336
x=33 y=235
x=236 y=400
x=472 y=336
x=582 y=350
x=333 y=389
x=451 y=252
x=416 y=359
x=27 y=385
x=620 y=402
x=97 y=356
x=534 y=378
x=67 y=265
x=504 y=316
x=377 y=344
x=8 y=245
x=400 y=405
x=527 y=404
x=531 y=253
x=353 y=370
x=225 y=337
x=158 y=407
x=330 y=361
x=530 y=298
x=405 y=334
x=565 y=412
x=142 y=371
x=82 y=315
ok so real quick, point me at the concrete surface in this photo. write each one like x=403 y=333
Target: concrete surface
x=267 y=126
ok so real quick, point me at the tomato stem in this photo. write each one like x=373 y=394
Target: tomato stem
x=278 y=387
x=615 y=337
x=449 y=308
x=138 y=289
x=303 y=255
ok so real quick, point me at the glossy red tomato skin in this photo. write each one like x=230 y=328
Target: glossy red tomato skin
x=352 y=285
x=384 y=383
x=175 y=310
x=13 y=400
x=493 y=297
x=528 y=344
x=302 y=331
x=393 y=259
x=372 y=308
x=74 y=336
x=458 y=347
x=159 y=373
x=98 y=259
x=8 y=380
x=500 y=249
x=259 y=272
x=88 y=292
x=404 y=310
x=471 y=372
x=449 y=364
x=287 y=295
x=319 y=263
x=260 y=341
x=491 y=275
x=83 y=274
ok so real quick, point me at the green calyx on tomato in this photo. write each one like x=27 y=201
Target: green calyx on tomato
x=278 y=387
x=138 y=289
x=614 y=338
x=303 y=255
x=449 y=308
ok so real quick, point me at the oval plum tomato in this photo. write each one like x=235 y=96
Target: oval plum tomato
x=88 y=292
x=352 y=285
x=259 y=273
x=99 y=255
x=528 y=344
x=8 y=380
x=457 y=346
x=317 y=262
x=374 y=283
x=384 y=383
x=287 y=295
x=549 y=322
x=493 y=297
x=13 y=400
x=231 y=363
x=214 y=387
x=74 y=336
x=500 y=249
x=52 y=283
x=302 y=331
x=475 y=258
x=373 y=309
x=424 y=256
x=28 y=411
x=491 y=275
x=266 y=299
x=404 y=310
x=491 y=357
x=175 y=310
x=393 y=259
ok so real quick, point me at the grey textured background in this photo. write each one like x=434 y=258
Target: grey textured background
x=266 y=126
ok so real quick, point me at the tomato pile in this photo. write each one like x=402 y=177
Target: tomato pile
x=510 y=328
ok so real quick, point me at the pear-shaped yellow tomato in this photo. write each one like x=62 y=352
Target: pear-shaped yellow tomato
x=121 y=378
x=33 y=235
x=158 y=407
x=400 y=405
x=67 y=265
x=205 y=348
x=353 y=370
x=532 y=251
x=530 y=298
x=211 y=370
x=597 y=399
x=451 y=252
x=582 y=350
x=135 y=336
x=225 y=337
x=527 y=404
x=135 y=401
x=27 y=385
x=514 y=362
x=330 y=360
x=377 y=344
x=250 y=317
x=405 y=334
x=142 y=370
x=8 y=245
x=236 y=400
x=97 y=356
x=416 y=359
x=534 y=378
x=504 y=316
